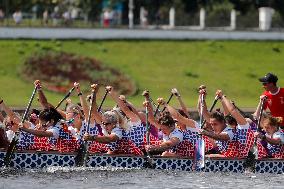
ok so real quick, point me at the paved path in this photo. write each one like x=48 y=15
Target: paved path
x=101 y=34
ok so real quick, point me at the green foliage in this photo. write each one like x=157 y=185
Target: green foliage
x=159 y=66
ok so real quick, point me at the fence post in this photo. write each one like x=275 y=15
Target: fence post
x=202 y=18
x=172 y=17
x=233 y=19
x=130 y=14
x=265 y=18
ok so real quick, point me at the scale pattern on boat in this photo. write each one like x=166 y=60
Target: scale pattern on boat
x=41 y=159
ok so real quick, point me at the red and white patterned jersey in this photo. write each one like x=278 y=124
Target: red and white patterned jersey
x=187 y=147
x=124 y=145
x=47 y=143
x=266 y=149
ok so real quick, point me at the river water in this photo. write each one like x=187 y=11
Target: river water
x=115 y=178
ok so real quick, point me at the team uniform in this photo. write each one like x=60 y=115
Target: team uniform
x=266 y=149
x=26 y=140
x=275 y=103
x=176 y=133
x=124 y=145
x=187 y=147
x=48 y=143
x=136 y=133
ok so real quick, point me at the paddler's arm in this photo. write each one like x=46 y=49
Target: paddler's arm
x=178 y=96
x=101 y=139
x=164 y=145
x=151 y=117
x=176 y=115
x=37 y=132
x=221 y=136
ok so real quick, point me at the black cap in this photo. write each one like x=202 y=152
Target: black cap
x=269 y=78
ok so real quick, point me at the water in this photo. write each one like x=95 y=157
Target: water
x=115 y=178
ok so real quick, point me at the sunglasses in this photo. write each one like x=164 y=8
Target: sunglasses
x=105 y=124
x=45 y=124
x=264 y=84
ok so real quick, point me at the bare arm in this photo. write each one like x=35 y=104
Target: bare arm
x=9 y=112
x=82 y=100
x=231 y=108
x=164 y=145
x=102 y=139
x=38 y=132
x=151 y=117
x=1 y=117
x=275 y=141
x=97 y=116
x=178 y=96
x=180 y=118
x=132 y=116
x=257 y=111
x=205 y=113
x=42 y=99
x=142 y=118
x=220 y=137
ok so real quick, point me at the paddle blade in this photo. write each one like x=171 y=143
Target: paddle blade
x=11 y=150
x=82 y=155
x=199 y=158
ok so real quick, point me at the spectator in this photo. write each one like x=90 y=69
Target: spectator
x=275 y=96
x=45 y=17
x=2 y=15
x=17 y=16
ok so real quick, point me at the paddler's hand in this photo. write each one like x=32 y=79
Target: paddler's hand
x=219 y=93
x=175 y=92
x=146 y=93
x=77 y=86
x=259 y=135
x=95 y=87
x=122 y=98
x=262 y=97
x=202 y=90
x=146 y=104
x=203 y=132
x=149 y=148
x=37 y=84
x=109 y=89
x=161 y=101
x=88 y=137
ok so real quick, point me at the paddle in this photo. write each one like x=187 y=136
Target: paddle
x=250 y=161
x=255 y=150
x=66 y=96
x=199 y=158
x=148 y=161
x=82 y=155
x=102 y=102
x=12 y=147
x=211 y=108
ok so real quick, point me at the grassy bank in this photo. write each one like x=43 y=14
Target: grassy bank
x=233 y=66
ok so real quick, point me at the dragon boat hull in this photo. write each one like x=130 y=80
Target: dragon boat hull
x=33 y=159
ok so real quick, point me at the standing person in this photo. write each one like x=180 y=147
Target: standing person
x=275 y=97
x=45 y=17
x=17 y=16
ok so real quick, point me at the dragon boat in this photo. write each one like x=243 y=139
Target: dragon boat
x=41 y=159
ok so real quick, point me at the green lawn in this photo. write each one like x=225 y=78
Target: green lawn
x=158 y=66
